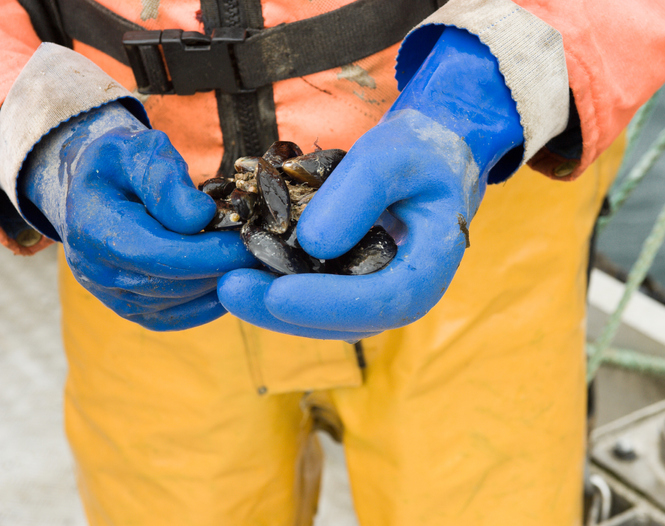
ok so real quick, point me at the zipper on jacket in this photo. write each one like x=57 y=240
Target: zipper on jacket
x=248 y=121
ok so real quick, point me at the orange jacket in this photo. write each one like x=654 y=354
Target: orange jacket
x=607 y=46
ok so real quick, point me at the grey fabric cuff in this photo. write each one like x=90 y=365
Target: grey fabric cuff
x=529 y=52
x=55 y=85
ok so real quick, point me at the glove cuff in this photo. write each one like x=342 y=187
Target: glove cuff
x=460 y=86
x=55 y=85
x=43 y=180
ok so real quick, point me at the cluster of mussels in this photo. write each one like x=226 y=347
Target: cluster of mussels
x=264 y=200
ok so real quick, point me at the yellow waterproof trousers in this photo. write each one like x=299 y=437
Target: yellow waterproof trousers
x=472 y=416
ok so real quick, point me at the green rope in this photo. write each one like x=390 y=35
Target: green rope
x=619 y=195
x=599 y=351
x=637 y=124
x=635 y=277
x=634 y=361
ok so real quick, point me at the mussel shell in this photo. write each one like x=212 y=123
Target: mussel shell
x=280 y=151
x=372 y=253
x=244 y=203
x=275 y=200
x=218 y=187
x=226 y=218
x=317 y=265
x=273 y=251
x=313 y=168
x=291 y=239
x=270 y=236
x=245 y=165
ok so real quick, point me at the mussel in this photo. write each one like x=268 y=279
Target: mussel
x=372 y=253
x=265 y=199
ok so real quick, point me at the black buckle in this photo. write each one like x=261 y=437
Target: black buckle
x=180 y=62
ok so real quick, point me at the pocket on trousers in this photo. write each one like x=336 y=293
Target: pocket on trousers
x=280 y=363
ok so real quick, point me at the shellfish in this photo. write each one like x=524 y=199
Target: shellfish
x=264 y=200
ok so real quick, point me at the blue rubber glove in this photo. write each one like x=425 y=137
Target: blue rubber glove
x=118 y=196
x=427 y=163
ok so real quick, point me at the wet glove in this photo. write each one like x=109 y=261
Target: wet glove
x=119 y=197
x=427 y=163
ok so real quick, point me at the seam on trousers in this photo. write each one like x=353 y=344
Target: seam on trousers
x=253 y=361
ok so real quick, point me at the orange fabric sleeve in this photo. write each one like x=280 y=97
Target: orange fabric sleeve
x=19 y=42
x=20 y=250
x=615 y=55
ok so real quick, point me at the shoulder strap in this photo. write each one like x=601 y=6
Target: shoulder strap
x=330 y=40
x=95 y=25
x=46 y=21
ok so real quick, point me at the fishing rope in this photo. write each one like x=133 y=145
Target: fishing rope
x=599 y=352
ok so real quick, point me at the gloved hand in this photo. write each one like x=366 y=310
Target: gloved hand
x=118 y=196
x=427 y=162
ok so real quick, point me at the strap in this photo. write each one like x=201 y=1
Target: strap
x=46 y=21
x=330 y=40
x=248 y=121
x=95 y=25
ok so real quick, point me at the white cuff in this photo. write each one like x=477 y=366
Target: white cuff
x=55 y=85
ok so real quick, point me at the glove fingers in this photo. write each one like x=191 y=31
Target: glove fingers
x=117 y=280
x=242 y=292
x=127 y=304
x=367 y=181
x=164 y=186
x=158 y=288
x=126 y=237
x=399 y=294
x=142 y=165
x=191 y=314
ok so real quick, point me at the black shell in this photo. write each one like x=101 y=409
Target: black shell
x=243 y=203
x=372 y=253
x=275 y=199
x=226 y=218
x=273 y=252
x=218 y=187
x=313 y=168
x=290 y=238
x=244 y=165
x=280 y=151
x=267 y=220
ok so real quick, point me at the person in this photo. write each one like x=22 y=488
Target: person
x=458 y=408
